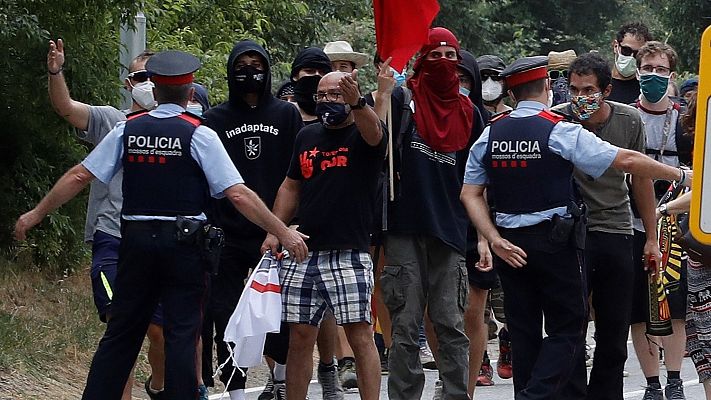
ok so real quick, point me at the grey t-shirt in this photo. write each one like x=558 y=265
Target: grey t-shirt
x=607 y=197
x=103 y=212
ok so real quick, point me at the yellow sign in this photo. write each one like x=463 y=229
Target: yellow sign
x=700 y=217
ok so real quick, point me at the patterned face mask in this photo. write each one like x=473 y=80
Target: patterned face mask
x=585 y=106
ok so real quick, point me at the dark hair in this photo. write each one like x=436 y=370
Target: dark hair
x=177 y=94
x=592 y=64
x=144 y=56
x=652 y=48
x=688 y=120
x=637 y=29
x=529 y=89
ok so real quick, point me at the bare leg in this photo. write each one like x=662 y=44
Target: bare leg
x=380 y=309
x=674 y=345
x=299 y=364
x=129 y=385
x=647 y=352
x=360 y=337
x=343 y=349
x=477 y=332
x=327 y=336
x=707 y=389
x=198 y=361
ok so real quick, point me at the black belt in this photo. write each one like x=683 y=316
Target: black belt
x=658 y=152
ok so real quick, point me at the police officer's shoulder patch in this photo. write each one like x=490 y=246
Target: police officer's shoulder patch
x=196 y=120
x=135 y=114
x=554 y=116
x=499 y=116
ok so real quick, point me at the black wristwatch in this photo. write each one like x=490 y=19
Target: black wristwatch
x=361 y=103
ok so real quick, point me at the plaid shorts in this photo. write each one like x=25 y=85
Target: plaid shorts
x=337 y=280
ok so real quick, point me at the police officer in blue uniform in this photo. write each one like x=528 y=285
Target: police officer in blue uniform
x=172 y=164
x=525 y=160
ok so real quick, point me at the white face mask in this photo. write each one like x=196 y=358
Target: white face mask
x=626 y=65
x=491 y=90
x=549 y=103
x=142 y=94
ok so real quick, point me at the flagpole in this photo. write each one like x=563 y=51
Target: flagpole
x=391 y=173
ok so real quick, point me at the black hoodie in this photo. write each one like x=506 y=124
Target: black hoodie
x=259 y=141
x=469 y=65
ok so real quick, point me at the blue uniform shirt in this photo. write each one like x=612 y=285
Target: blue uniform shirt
x=584 y=149
x=205 y=148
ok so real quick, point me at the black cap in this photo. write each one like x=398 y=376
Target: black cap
x=310 y=57
x=525 y=70
x=490 y=62
x=172 y=67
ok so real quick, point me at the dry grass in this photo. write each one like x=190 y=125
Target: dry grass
x=48 y=332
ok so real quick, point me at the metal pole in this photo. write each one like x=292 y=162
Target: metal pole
x=133 y=42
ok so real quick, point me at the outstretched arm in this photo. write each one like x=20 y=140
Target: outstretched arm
x=64 y=190
x=75 y=112
x=251 y=206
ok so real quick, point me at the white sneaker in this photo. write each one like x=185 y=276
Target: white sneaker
x=437 y=390
x=426 y=358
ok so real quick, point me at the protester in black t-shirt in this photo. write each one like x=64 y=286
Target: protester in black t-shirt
x=332 y=181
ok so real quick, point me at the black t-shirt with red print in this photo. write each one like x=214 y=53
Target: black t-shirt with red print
x=339 y=173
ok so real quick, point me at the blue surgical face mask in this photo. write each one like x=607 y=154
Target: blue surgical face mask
x=195 y=109
x=464 y=91
x=400 y=78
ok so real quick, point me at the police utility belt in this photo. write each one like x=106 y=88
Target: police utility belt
x=203 y=235
x=563 y=230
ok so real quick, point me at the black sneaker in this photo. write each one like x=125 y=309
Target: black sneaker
x=152 y=393
x=268 y=392
x=279 y=390
x=653 y=392
x=384 y=361
x=674 y=390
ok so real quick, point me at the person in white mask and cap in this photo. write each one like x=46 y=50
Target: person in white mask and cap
x=493 y=89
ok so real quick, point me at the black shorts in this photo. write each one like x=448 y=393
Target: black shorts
x=479 y=279
x=676 y=298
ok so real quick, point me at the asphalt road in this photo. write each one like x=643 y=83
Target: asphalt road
x=503 y=389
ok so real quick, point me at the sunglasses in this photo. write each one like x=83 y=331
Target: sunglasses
x=486 y=75
x=628 y=51
x=138 y=76
x=555 y=74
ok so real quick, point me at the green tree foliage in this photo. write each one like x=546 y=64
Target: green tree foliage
x=36 y=145
x=685 y=21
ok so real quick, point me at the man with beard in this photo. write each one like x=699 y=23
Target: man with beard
x=425 y=245
x=258 y=133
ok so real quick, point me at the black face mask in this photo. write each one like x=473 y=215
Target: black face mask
x=249 y=79
x=332 y=114
x=561 y=94
x=304 y=91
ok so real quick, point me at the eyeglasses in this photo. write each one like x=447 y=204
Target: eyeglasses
x=331 y=96
x=628 y=51
x=138 y=76
x=659 y=69
x=493 y=75
x=555 y=74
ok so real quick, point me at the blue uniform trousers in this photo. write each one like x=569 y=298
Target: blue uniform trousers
x=153 y=266
x=550 y=286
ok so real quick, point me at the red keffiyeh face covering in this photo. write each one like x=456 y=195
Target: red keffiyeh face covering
x=444 y=117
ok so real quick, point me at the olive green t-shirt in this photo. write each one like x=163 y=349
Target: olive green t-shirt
x=607 y=196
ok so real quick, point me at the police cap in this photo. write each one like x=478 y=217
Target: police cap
x=490 y=62
x=172 y=67
x=525 y=70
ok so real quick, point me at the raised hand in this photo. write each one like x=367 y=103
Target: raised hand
x=386 y=79
x=349 y=88
x=55 y=56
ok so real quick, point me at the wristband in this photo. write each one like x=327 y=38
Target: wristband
x=682 y=179
x=56 y=73
x=663 y=210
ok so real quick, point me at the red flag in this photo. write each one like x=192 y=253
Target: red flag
x=401 y=28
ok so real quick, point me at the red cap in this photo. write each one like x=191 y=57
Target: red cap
x=439 y=37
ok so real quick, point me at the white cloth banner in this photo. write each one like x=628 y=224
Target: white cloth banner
x=258 y=313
